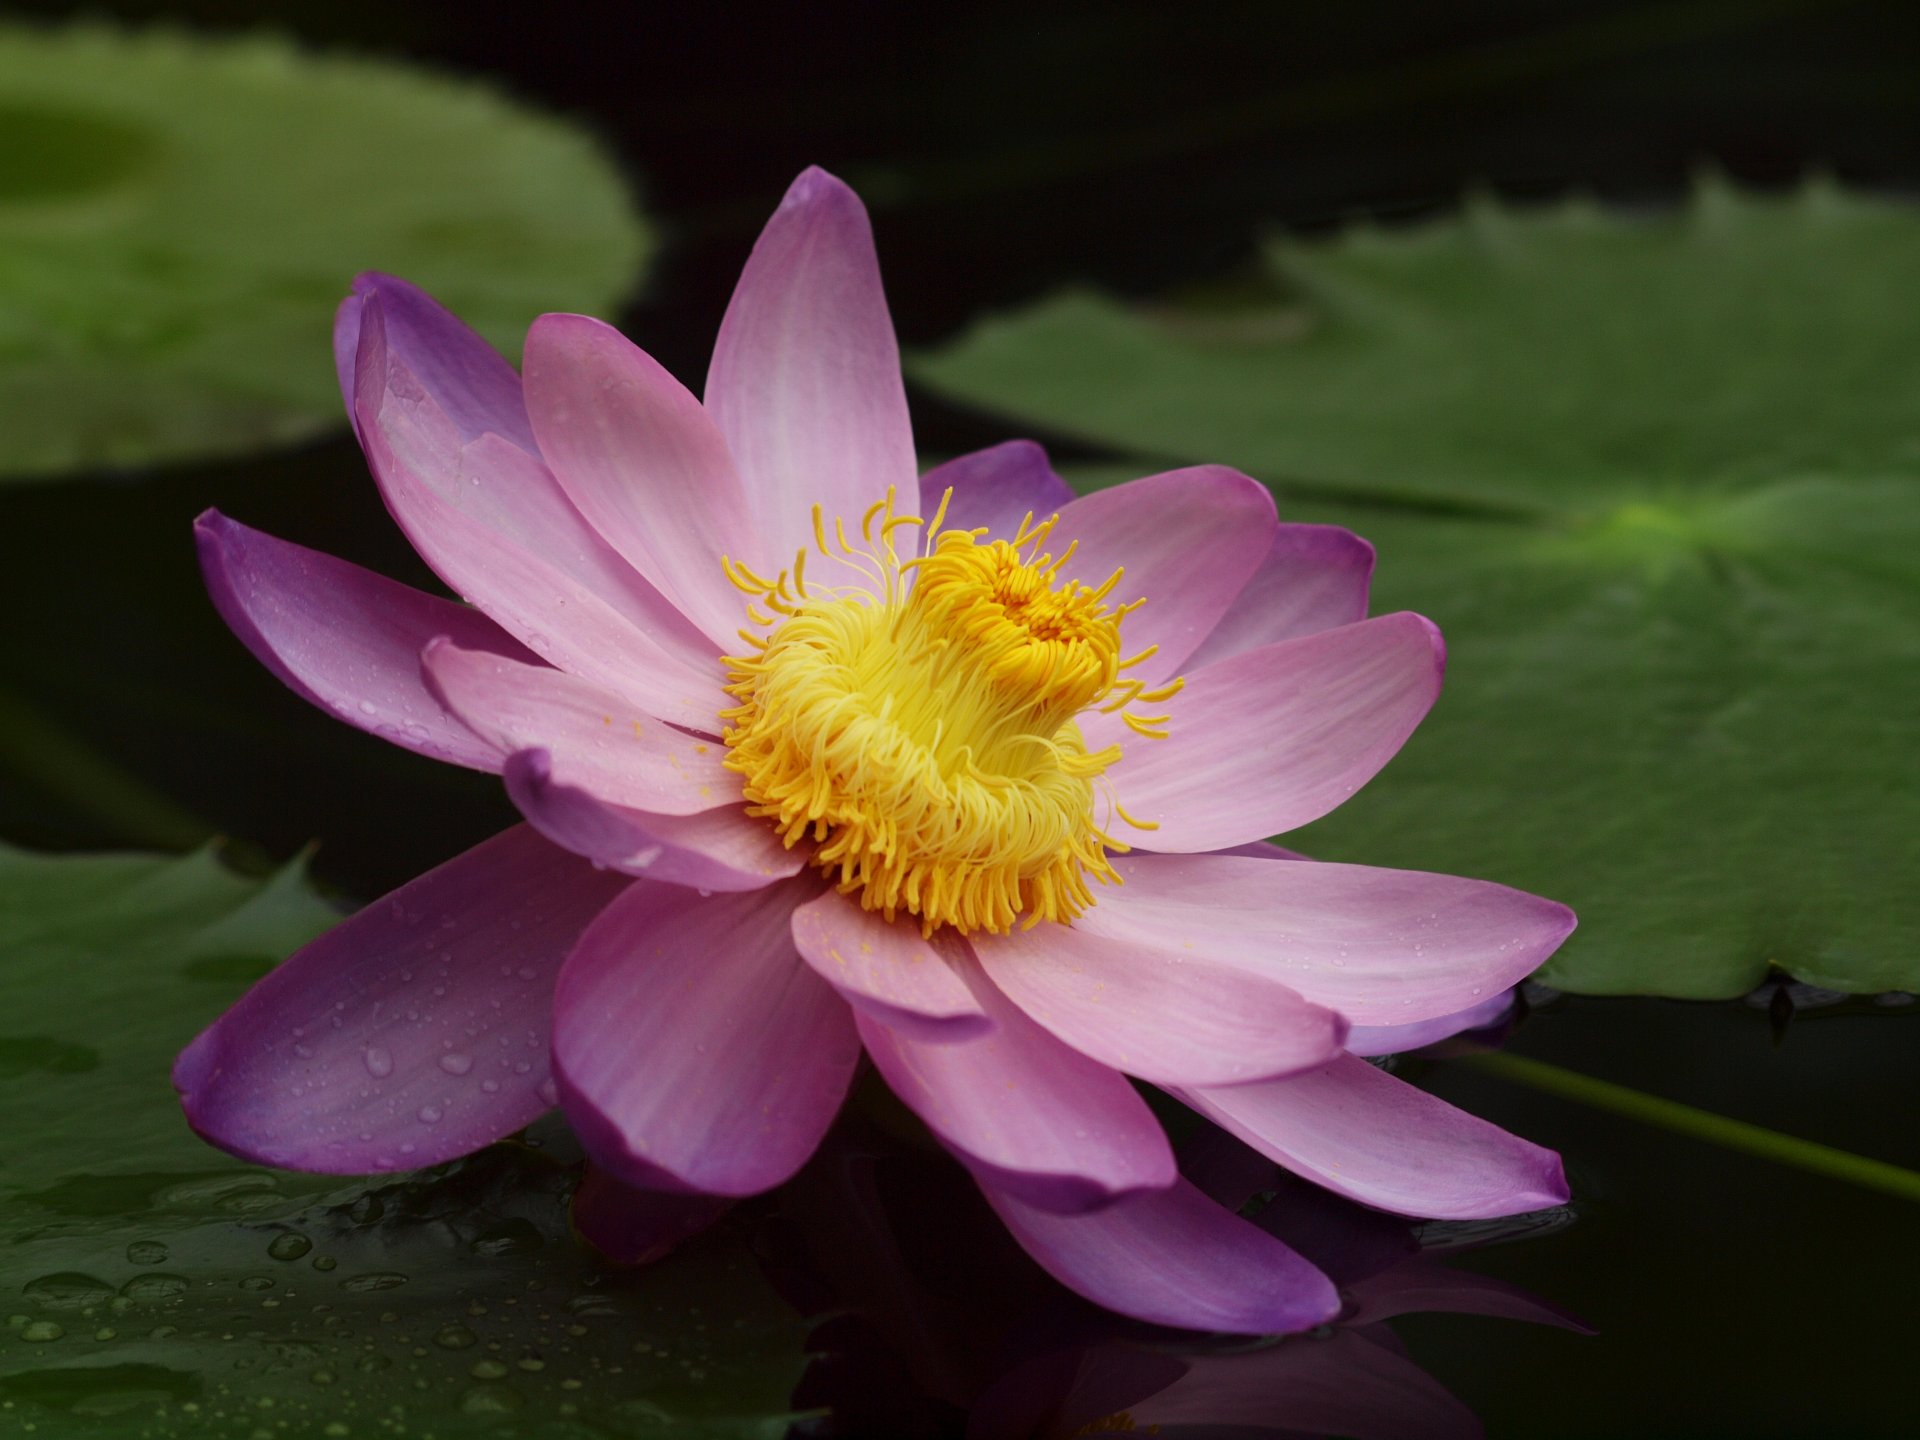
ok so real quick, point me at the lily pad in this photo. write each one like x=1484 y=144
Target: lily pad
x=153 y=1286
x=179 y=216
x=1656 y=479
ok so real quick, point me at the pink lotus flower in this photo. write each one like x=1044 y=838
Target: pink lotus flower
x=819 y=756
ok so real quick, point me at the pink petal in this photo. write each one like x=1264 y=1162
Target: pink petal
x=1174 y=1258
x=412 y=1032
x=1314 y=578
x=719 y=849
x=694 y=1050
x=631 y=1226
x=1361 y=1133
x=995 y=488
x=1383 y=947
x=468 y=379
x=1174 y=1017
x=1187 y=540
x=1268 y=739
x=598 y=742
x=805 y=383
x=495 y=526
x=1398 y=1039
x=644 y=463
x=1029 y=1115
x=344 y=638
x=885 y=969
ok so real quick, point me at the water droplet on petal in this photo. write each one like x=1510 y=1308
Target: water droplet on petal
x=456 y=1063
x=379 y=1061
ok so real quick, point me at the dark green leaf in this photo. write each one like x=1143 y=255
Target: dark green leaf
x=156 y=1286
x=1656 y=480
x=179 y=217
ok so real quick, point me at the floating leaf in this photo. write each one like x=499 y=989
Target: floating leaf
x=156 y=1286
x=1656 y=480
x=179 y=217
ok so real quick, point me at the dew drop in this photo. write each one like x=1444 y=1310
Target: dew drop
x=548 y=1092
x=289 y=1246
x=377 y=1280
x=367 y=707
x=146 y=1252
x=68 y=1290
x=456 y=1063
x=430 y=1114
x=456 y=1337
x=488 y=1370
x=39 y=1332
x=379 y=1061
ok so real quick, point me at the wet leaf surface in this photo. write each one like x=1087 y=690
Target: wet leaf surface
x=154 y=1287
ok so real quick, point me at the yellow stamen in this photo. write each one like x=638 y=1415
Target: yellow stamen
x=919 y=732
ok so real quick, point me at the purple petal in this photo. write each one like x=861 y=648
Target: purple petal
x=1361 y=1133
x=1174 y=1258
x=644 y=463
x=996 y=488
x=722 y=849
x=886 y=969
x=631 y=1226
x=344 y=638
x=494 y=524
x=1398 y=1039
x=1314 y=578
x=467 y=378
x=805 y=384
x=1023 y=1111
x=1423 y=1284
x=1383 y=947
x=1342 y=1384
x=1174 y=1017
x=412 y=1032
x=695 y=1051
x=597 y=742
x=1187 y=540
x=1269 y=739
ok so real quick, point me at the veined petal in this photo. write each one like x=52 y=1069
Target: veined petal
x=1174 y=1258
x=1361 y=1133
x=468 y=379
x=1024 y=1112
x=598 y=742
x=1171 y=1017
x=1187 y=540
x=1268 y=739
x=644 y=463
x=413 y=1031
x=632 y=1226
x=694 y=1050
x=345 y=638
x=1314 y=578
x=1383 y=947
x=996 y=487
x=494 y=524
x=805 y=383
x=886 y=969
x=720 y=849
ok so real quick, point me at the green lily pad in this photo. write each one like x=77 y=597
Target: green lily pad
x=150 y=1285
x=179 y=216
x=1655 y=477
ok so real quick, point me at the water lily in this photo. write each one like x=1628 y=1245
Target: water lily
x=819 y=756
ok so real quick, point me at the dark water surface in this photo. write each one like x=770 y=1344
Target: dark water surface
x=1009 y=150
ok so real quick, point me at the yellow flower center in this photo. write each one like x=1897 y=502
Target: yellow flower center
x=918 y=725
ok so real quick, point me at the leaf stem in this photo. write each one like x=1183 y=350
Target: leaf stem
x=58 y=764
x=1702 y=1124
